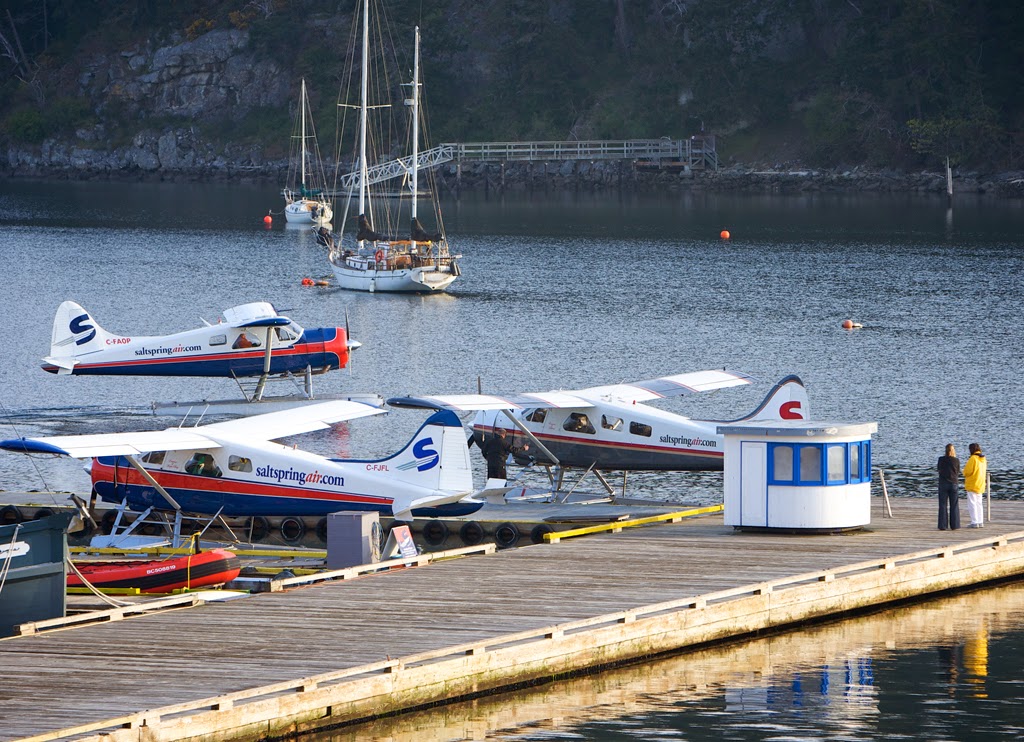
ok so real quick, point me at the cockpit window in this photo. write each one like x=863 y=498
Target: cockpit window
x=577 y=422
x=611 y=423
x=285 y=335
x=204 y=465
x=640 y=429
x=239 y=463
x=154 y=457
x=246 y=340
x=537 y=416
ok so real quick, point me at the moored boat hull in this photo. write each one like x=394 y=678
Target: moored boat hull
x=205 y=569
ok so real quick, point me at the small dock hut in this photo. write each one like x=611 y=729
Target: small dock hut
x=797 y=475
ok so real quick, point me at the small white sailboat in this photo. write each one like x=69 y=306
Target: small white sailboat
x=307 y=203
x=375 y=258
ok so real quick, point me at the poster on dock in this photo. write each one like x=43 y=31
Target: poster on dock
x=400 y=544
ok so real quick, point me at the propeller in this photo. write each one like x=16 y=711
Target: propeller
x=350 y=343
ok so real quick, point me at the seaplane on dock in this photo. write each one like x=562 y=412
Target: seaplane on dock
x=609 y=428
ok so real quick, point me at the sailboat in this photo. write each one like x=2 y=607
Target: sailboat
x=377 y=257
x=307 y=204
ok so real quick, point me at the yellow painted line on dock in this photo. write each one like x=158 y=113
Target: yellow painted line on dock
x=182 y=551
x=555 y=536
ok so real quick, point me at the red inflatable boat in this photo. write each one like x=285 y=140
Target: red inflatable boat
x=213 y=567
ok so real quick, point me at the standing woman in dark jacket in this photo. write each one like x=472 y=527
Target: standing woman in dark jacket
x=949 y=481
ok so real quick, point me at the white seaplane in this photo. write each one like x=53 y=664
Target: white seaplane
x=605 y=428
x=234 y=468
x=253 y=341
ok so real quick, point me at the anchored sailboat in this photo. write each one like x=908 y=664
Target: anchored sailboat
x=379 y=257
x=306 y=204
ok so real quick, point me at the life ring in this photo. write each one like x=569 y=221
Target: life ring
x=292 y=529
x=506 y=535
x=435 y=532
x=259 y=528
x=10 y=515
x=537 y=534
x=321 y=530
x=379 y=256
x=471 y=533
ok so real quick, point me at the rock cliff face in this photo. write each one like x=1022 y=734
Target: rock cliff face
x=213 y=78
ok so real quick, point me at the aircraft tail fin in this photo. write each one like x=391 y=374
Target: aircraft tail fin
x=75 y=334
x=786 y=401
x=437 y=460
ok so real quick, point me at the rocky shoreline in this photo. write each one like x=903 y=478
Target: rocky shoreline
x=178 y=156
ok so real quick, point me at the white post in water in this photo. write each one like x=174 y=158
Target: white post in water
x=949 y=182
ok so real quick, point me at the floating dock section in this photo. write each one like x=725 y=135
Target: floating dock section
x=309 y=658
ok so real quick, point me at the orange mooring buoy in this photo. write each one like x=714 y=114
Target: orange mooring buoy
x=724 y=234
x=849 y=324
x=268 y=219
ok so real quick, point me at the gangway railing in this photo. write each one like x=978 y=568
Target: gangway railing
x=696 y=152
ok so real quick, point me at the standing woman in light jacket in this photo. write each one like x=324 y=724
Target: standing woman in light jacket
x=975 y=471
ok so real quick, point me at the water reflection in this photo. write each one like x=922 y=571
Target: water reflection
x=919 y=672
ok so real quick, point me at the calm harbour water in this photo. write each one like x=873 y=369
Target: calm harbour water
x=562 y=291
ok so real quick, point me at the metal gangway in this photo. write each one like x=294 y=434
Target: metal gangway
x=697 y=152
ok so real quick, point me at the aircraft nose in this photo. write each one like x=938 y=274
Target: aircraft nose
x=339 y=346
x=353 y=344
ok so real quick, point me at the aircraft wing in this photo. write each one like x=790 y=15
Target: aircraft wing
x=637 y=391
x=255 y=314
x=466 y=402
x=304 y=419
x=669 y=386
x=112 y=444
x=266 y=427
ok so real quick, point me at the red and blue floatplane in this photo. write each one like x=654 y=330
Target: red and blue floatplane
x=251 y=342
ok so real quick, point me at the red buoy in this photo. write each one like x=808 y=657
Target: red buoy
x=724 y=234
x=849 y=324
x=268 y=219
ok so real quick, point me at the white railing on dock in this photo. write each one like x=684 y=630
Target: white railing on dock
x=696 y=152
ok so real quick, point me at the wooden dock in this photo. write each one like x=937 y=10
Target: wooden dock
x=335 y=652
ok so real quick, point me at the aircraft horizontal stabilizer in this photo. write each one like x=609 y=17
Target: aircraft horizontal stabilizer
x=431 y=501
x=63 y=364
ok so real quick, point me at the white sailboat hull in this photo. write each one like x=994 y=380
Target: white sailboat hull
x=302 y=212
x=361 y=275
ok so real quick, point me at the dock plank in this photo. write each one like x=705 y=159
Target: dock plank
x=102 y=671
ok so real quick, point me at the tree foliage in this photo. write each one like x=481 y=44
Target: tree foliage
x=900 y=82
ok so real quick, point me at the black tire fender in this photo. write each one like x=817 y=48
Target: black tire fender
x=292 y=529
x=506 y=535
x=471 y=533
x=435 y=532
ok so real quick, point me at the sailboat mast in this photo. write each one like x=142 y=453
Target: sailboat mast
x=302 y=105
x=363 y=94
x=415 y=122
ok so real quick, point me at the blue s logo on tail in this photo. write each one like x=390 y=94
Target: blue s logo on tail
x=79 y=325
x=420 y=451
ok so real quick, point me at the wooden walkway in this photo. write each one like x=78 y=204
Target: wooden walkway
x=90 y=674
